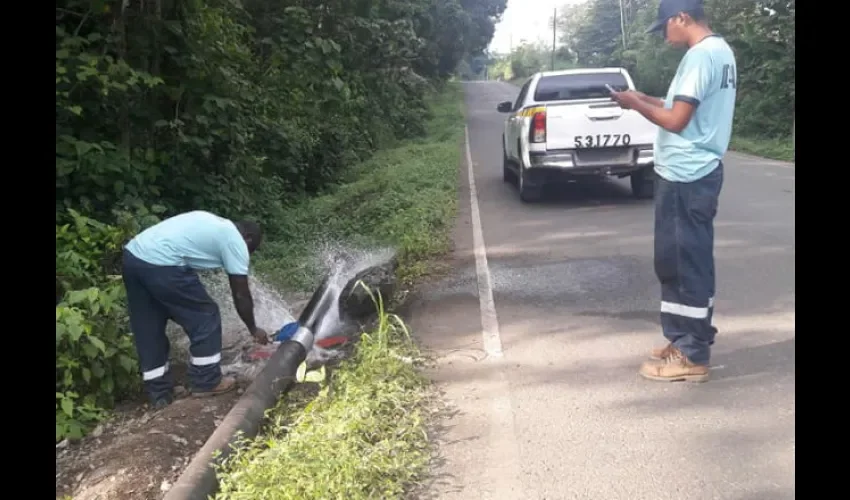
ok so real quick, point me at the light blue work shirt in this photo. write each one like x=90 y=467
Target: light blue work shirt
x=707 y=77
x=198 y=239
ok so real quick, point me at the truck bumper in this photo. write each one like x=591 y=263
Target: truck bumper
x=572 y=162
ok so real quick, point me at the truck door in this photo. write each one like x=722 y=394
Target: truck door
x=514 y=123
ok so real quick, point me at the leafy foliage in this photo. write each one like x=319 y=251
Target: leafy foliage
x=240 y=107
x=95 y=360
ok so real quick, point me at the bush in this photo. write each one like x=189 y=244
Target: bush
x=95 y=357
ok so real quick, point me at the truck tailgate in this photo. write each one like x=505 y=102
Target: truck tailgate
x=595 y=124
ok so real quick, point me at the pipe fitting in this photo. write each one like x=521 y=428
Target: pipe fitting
x=304 y=337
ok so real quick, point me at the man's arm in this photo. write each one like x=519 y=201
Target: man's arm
x=243 y=301
x=690 y=90
x=236 y=259
x=652 y=100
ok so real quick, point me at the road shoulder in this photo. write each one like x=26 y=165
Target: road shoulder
x=476 y=447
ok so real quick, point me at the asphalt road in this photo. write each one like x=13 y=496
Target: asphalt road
x=562 y=414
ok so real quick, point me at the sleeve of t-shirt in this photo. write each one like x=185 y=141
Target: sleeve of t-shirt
x=234 y=254
x=695 y=81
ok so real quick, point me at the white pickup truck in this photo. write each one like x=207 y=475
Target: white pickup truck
x=564 y=124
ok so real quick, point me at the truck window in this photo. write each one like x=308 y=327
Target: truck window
x=575 y=87
x=521 y=96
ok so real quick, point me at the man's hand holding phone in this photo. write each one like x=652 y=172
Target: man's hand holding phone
x=626 y=99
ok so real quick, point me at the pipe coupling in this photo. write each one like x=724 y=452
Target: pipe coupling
x=304 y=337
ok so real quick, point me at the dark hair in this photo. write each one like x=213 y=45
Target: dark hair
x=251 y=231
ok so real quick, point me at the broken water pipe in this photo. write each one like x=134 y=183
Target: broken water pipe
x=320 y=318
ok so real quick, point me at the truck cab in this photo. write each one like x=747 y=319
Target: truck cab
x=564 y=125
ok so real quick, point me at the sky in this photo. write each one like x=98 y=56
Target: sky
x=525 y=19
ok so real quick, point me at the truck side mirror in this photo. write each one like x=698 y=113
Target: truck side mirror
x=505 y=107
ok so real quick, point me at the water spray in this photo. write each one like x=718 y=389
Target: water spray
x=313 y=331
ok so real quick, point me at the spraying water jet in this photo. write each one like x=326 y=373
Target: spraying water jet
x=199 y=481
x=320 y=320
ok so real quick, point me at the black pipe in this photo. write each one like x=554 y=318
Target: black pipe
x=199 y=480
x=315 y=310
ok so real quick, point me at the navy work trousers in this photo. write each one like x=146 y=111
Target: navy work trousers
x=684 y=261
x=156 y=294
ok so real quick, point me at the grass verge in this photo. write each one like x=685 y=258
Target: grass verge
x=362 y=437
x=404 y=197
x=777 y=149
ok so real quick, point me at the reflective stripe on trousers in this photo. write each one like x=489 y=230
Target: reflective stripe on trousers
x=684 y=261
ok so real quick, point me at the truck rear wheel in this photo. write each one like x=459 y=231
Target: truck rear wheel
x=528 y=193
x=643 y=183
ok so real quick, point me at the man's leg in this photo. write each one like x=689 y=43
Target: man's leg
x=713 y=276
x=685 y=268
x=699 y=280
x=147 y=322
x=193 y=309
x=666 y=253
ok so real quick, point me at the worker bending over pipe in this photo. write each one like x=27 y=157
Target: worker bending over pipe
x=160 y=275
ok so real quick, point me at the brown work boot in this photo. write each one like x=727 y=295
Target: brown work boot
x=674 y=367
x=227 y=384
x=661 y=352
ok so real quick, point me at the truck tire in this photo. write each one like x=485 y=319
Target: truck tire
x=643 y=183
x=528 y=193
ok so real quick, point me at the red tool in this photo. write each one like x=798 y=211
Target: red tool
x=331 y=342
x=265 y=351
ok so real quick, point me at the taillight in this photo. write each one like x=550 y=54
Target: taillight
x=538 y=127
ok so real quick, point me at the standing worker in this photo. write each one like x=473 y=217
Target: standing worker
x=695 y=126
x=159 y=270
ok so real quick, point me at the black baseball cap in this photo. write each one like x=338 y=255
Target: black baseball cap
x=672 y=8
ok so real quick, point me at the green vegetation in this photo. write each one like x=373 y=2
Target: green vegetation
x=762 y=34
x=246 y=109
x=404 y=197
x=779 y=149
x=364 y=436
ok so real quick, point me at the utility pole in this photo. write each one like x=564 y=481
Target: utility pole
x=554 y=34
x=623 y=24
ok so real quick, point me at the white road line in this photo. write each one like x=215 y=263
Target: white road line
x=489 y=320
x=503 y=451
